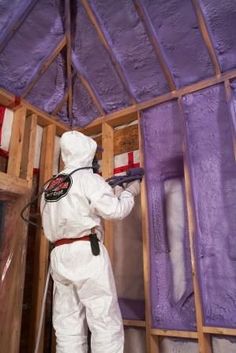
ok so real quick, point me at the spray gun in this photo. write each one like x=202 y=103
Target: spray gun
x=131 y=175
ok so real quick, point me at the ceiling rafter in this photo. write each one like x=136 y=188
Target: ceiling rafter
x=206 y=36
x=14 y=26
x=89 y=88
x=44 y=66
x=92 y=17
x=68 y=57
x=154 y=41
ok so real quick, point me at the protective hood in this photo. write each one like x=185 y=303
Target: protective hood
x=77 y=149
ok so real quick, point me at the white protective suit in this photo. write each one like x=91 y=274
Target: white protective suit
x=84 y=289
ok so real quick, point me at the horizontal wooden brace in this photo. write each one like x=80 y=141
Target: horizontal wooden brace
x=220 y=330
x=134 y=323
x=174 y=333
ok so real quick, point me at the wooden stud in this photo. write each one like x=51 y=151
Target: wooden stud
x=44 y=66
x=174 y=333
x=92 y=17
x=16 y=142
x=151 y=341
x=203 y=338
x=107 y=171
x=153 y=39
x=14 y=26
x=27 y=164
x=206 y=36
x=68 y=57
x=42 y=245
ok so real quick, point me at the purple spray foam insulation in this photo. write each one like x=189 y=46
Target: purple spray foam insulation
x=10 y=11
x=31 y=43
x=213 y=179
x=163 y=137
x=49 y=89
x=178 y=34
x=221 y=21
x=233 y=107
x=129 y=41
x=96 y=63
x=84 y=110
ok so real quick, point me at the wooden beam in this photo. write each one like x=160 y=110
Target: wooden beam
x=44 y=66
x=16 y=142
x=206 y=36
x=152 y=342
x=174 y=333
x=92 y=17
x=42 y=244
x=107 y=171
x=203 y=338
x=14 y=26
x=27 y=163
x=150 y=31
x=134 y=323
x=68 y=57
x=220 y=331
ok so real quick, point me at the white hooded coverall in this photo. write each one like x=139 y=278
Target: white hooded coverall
x=84 y=289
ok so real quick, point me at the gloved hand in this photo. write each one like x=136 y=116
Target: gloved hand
x=133 y=187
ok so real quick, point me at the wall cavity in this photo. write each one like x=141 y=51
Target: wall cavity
x=213 y=170
x=172 y=305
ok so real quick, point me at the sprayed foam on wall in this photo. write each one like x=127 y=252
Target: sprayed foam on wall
x=163 y=137
x=213 y=170
x=177 y=31
x=129 y=41
x=221 y=19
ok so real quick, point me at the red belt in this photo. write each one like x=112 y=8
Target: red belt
x=70 y=240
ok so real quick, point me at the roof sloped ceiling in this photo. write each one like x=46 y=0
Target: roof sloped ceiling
x=83 y=59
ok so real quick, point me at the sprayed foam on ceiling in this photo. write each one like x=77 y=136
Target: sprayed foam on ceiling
x=173 y=25
x=178 y=32
x=48 y=91
x=130 y=43
x=31 y=43
x=221 y=20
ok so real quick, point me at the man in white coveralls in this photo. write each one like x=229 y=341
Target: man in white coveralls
x=84 y=291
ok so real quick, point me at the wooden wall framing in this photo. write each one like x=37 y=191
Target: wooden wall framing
x=106 y=126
